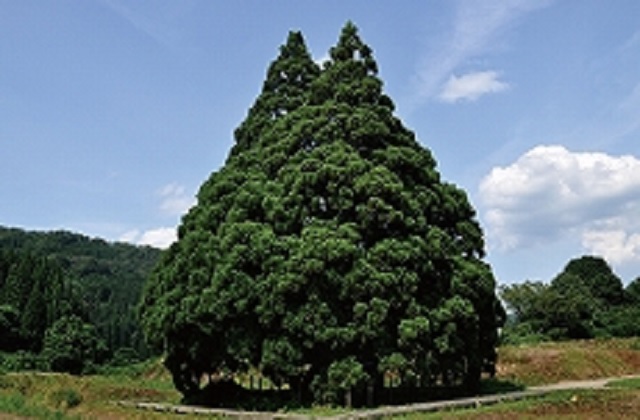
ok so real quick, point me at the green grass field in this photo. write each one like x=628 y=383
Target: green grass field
x=56 y=396
x=61 y=396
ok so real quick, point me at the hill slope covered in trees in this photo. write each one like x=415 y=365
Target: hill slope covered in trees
x=45 y=276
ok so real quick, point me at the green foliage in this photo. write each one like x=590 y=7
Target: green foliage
x=9 y=327
x=632 y=292
x=597 y=276
x=15 y=403
x=32 y=295
x=65 y=398
x=124 y=356
x=585 y=300
x=72 y=346
x=620 y=321
x=21 y=360
x=47 y=275
x=326 y=249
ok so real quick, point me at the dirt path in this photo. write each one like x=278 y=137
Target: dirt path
x=583 y=384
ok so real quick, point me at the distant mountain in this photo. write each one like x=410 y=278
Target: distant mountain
x=100 y=280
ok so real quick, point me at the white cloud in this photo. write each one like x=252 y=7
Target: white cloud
x=471 y=86
x=550 y=192
x=476 y=27
x=175 y=200
x=616 y=246
x=130 y=236
x=159 y=238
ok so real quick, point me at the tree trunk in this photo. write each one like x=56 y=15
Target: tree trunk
x=347 y=398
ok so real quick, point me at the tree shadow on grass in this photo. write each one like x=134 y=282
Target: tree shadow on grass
x=228 y=394
x=494 y=386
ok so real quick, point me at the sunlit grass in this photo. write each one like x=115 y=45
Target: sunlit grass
x=45 y=395
x=630 y=383
x=592 y=404
x=12 y=402
x=550 y=362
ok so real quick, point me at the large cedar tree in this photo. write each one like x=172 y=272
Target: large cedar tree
x=327 y=250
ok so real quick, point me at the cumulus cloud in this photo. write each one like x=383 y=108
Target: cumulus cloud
x=471 y=86
x=616 y=245
x=175 y=200
x=550 y=192
x=159 y=238
x=130 y=236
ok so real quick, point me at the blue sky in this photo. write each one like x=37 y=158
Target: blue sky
x=114 y=112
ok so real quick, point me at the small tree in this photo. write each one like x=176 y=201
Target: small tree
x=344 y=375
x=585 y=300
x=596 y=274
x=9 y=328
x=632 y=292
x=71 y=345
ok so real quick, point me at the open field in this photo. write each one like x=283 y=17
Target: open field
x=54 y=396
x=546 y=363
x=61 y=396
x=581 y=404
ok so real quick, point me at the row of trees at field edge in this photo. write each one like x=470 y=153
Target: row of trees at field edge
x=327 y=250
x=68 y=302
x=586 y=300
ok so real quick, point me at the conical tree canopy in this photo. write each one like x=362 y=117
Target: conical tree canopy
x=327 y=250
x=285 y=89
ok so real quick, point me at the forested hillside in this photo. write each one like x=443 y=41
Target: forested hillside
x=45 y=276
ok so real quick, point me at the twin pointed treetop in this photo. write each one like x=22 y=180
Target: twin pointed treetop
x=326 y=250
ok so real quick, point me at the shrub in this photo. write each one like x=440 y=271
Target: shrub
x=65 y=398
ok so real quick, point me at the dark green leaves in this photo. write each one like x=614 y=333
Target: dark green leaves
x=71 y=345
x=326 y=250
